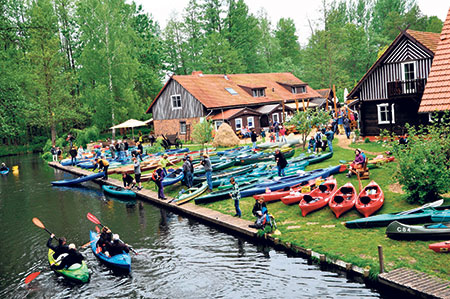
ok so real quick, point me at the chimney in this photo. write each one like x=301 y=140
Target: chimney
x=197 y=73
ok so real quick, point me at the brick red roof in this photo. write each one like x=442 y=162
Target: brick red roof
x=210 y=89
x=436 y=96
x=227 y=114
x=428 y=39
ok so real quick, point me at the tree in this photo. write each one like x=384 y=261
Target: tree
x=202 y=132
x=286 y=34
x=219 y=57
x=304 y=121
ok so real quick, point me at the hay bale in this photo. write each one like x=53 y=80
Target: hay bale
x=225 y=136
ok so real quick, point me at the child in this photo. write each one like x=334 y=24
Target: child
x=236 y=196
x=272 y=137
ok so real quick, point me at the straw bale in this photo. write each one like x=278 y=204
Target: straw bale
x=225 y=136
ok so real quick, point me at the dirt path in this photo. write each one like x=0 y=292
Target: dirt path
x=344 y=143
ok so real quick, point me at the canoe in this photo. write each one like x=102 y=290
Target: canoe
x=240 y=180
x=434 y=231
x=318 y=198
x=442 y=247
x=118 y=191
x=418 y=215
x=79 y=180
x=120 y=262
x=343 y=200
x=442 y=216
x=370 y=199
x=216 y=177
x=5 y=171
x=216 y=167
x=221 y=194
x=190 y=194
x=77 y=272
x=315 y=158
x=295 y=195
x=173 y=177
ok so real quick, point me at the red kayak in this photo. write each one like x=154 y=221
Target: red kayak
x=295 y=195
x=318 y=198
x=440 y=247
x=370 y=199
x=343 y=200
x=270 y=196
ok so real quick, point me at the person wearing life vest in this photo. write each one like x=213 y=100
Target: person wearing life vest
x=117 y=247
x=157 y=177
x=73 y=257
x=102 y=165
x=58 y=249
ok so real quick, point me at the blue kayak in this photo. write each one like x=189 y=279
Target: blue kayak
x=79 y=180
x=173 y=177
x=5 y=171
x=118 y=191
x=442 y=216
x=118 y=262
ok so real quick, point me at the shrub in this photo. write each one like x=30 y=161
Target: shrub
x=367 y=140
x=424 y=163
x=156 y=148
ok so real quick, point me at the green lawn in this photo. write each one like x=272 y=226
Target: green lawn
x=374 y=147
x=323 y=233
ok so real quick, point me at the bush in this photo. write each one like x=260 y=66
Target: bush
x=47 y=156
x=424 y=163
x=86 y=136
x=367 y=140
x=156 y=148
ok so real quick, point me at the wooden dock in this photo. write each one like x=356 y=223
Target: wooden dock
x=405 y=280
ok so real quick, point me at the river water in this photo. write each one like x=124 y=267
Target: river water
x=178 y=257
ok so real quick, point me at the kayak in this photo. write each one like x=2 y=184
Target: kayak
x=120 y=262
x=173 y=177
x=296 y=195
x=270 y=196
x=315 y=158
x=434 y=231
x=118 y=191
x=370 y=199
x=221 y=194
x=224 y=174
x=79 y=180
x=343 y=200
x=215 y=167
x=422 y=214
x=442 y=216
x=76 y=272
x=190 y=194
x=440 y=247
x=318 y=198
x=5 y=171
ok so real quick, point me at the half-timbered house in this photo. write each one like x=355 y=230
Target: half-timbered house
x=389 y=94
x=187 y=99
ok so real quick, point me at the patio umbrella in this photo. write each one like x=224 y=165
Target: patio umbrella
x=131 y=123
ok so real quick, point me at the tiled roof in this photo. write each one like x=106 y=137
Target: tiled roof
x=324 y=92
x=267 y=108
x=429 y=40
x=227 y=114
x=210 y=89
x=436 y=96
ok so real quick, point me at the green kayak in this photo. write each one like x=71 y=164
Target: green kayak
x=76 y=272
x=190 y=193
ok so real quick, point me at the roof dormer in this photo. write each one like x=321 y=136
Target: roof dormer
x=294 y=87
x=255 y=91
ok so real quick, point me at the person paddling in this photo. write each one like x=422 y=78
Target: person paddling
x=73 y=257
x=117 y=247
x=3 y=167
x=60 y=248
x=105 y=239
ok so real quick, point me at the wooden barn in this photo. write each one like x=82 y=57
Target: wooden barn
x=236 y=98
x=389 y=94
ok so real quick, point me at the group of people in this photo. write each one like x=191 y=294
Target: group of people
x=277 y=132
x=128 y=181
x=56 y=153
x=341 y=122
x=322 y=139
x=110 y=244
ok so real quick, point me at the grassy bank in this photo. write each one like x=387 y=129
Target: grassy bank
x=323 y=233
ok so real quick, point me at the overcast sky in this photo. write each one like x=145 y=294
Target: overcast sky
x=298 y=10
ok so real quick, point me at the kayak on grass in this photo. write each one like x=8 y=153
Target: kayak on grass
x=295 y=194
x=215 y=167
x=76 y=272
x=318 y=198
x=120 y=262
x=343 y=200
x=442 y=247
x=79 y=180
x=190 y=193
x=118 y=191
x=370 y=199
x=433 y=231
x=173 y=177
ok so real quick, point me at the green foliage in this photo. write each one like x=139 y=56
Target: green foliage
x=424 y=164
x=202 y=132
x=367 y=140
x=156 y=148
x=304 y=121
x=85 y=136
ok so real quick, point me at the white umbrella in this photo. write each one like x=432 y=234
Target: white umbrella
x=131 y=123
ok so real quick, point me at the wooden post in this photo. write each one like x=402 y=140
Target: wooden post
x=307 y=104
x=334 y=95
x=326 y=102
x=380 y=258
x=282 y=117
x=296 y=104
x=303 y=102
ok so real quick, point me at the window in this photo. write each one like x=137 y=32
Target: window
x=393 y=113
x=259 y=92
x=383 y=113
x=431 y=117
x=238 y=123
x=231 y=91
x=299 y=89
x=275 y=117
x=217 y=124
x=250 y=122
x=176 y=101
x=409 y=74
x=182 y=127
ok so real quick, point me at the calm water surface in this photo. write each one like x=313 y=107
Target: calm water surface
x=178 y=257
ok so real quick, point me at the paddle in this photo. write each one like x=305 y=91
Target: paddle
x=94 y=219
x=436 y=203
x=33 y=275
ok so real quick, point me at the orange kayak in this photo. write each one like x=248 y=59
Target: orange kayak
x=343 y=200
x=319 y=197
x=370 y=199
x=440 y=247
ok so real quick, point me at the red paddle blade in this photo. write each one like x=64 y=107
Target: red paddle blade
x=32 y=276
x=85 y=245
x=98 y=250
x=92 y=218
x=97 y=229
x=38 y=223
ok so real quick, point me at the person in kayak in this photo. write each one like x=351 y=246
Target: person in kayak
x=117 y=247
x=104 y=241
x=128 y=181
x=60 y=248
x=102 y=164
x=236 y=196
x=3 y=167
x=281 y=162
x=73 y=257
